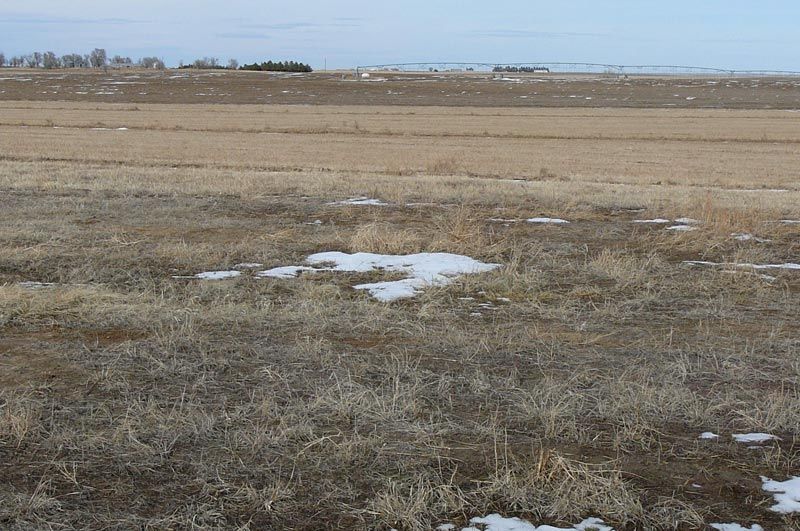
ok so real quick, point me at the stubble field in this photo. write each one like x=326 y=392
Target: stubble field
x=572 y=380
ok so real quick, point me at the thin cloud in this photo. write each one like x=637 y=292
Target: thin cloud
x=243 y=36
x=532 y=34
x=290 y=26
x=37 y=19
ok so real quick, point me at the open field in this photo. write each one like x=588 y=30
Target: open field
x=442 y=89
x=571 y=381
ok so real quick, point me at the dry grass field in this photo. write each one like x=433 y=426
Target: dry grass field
x=572 y=381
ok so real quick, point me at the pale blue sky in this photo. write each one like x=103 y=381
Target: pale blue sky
x=724 y=33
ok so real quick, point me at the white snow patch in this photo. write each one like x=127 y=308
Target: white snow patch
x=687 y=221
x=655 y=221
x=786 y=494
x=548 y=221
x=736 y=527
x=708 y=435
x=790 y=221
x=746 y=237
x=217 y=275
x=360 y=201
x=754 y=437
x=285 y=271
x=29 y=284
x=682 y=228
x=788 y=266
x=423 y=270
x=495 y=522
x=248 y=265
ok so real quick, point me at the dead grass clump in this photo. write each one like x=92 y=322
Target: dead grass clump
x=553 y=486
x=385 y=238
x=624 y=267
x=19 y=417
x=443 y=166
x=417 y=506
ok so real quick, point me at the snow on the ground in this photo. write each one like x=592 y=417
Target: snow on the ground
x=687 y=221
x=736 y=527
x=790 y=221
x=29 y=284
x=285 y=271
x=786 y=494
x=682 y=228
x=495 y=522
x=422 y=270
x=362 y=201
x=708 y=435
x=659 y=221
x=217 y=275
x=746 y=237
x=548 y=221
x=754 y=437
x=789 y=266
x=248 y=265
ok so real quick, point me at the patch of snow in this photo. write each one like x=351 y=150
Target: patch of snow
x=548 y=221
x=657 y=220
x=786 y=494
x=248 y=265
x=423 y=270
x=217 y=275
x=495 y=522
x=754 y=437
x=315 y=222
x=708 y=435
x=790 y=221
x=746 y=237
x=29 y=284
x=687 y=221
x=736 y=527
x=360 y=201
x=682 y=228
x=285 y=272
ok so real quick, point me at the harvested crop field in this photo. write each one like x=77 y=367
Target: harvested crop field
x=367 y=314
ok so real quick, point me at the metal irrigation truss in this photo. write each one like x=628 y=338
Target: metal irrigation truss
x=572 y=68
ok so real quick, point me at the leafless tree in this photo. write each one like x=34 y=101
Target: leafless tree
x=98 y=58
x=2 y=60
x=206 y=63
x=233 y=64
x=50 y=61
x=153 y=63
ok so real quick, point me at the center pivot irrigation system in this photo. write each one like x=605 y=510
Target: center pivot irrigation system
x=572 y=68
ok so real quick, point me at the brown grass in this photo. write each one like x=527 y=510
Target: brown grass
x=132 y=399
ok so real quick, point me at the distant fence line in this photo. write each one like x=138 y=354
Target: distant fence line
x=576 y=68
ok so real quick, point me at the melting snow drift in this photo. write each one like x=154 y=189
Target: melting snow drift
x=422 y=270
x=755 y=437
x=495 y=522
x=736 y=527
x=786 y=494
x=363 y=201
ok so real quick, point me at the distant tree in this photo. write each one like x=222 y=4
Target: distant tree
x=270 y=66
x=50 y=61
x=233 y=64
x=17 y=61
x=152 y=63
x=36 y=59
x=98 y=58
x=206 y=63
x=119 y=60
x=2 y=60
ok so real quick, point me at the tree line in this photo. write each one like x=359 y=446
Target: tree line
x=280 y=66
x=97 y=58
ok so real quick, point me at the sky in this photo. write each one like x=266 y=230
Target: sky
x=735 y=34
